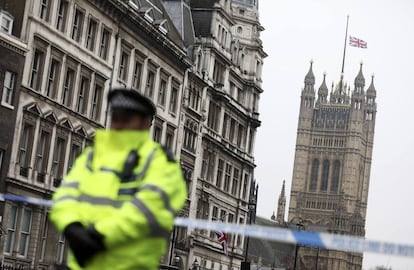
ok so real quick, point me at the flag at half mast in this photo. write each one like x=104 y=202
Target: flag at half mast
x=356 y=42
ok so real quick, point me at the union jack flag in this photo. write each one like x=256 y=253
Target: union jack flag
x=356 y=42
x=222 y=239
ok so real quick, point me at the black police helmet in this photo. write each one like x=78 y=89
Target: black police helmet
x=130 y=101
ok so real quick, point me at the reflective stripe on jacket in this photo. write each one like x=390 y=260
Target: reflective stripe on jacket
x=130 y=190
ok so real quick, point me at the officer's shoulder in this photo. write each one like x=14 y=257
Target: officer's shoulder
x=168 y=153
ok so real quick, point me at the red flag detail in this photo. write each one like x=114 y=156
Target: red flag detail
x=356 y=42
x=222 y=239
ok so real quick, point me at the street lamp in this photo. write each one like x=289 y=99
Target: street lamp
x=299 y=225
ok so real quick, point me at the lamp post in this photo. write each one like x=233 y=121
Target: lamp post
x=299 y=225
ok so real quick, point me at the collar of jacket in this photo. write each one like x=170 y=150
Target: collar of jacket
x=112 y=141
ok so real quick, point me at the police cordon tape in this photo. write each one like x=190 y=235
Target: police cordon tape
x=315 y=239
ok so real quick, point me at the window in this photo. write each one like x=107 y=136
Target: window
x=45 y=228
x=123 y=66
x=8 y=87
x=157 y=130
x=241 y=133
x=335 y=176
x=44 y=10
x=218 y=73
x=82 y=95
x=325 y=175
x=161 y=93
x=245 y=183
x=136 y=80
x=42 y=154
x=11 y=230
x=74 y=153
x=240 y=96
x=77 y=25
x=207 y=166
x=52 y=80
x=58 y=158
x=190 y=135
x=235 y=184
x=6 y=21
x=61 y=16
x=227 y=177
x=213 y=116
x=220 y=168
x=149 y=86
x=173 y=100
x=91 y=34
x=194 y=98
x=36 y=75
x=169 y=137
x=104 y=44
x=225 y=127
x=26 y=142
x=24 y=236
x=96 y=102
x=314 y=175
x=60 y=249
x=67 y=87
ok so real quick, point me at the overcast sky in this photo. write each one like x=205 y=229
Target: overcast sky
x=297 y=31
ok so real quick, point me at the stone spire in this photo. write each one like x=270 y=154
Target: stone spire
x=323 y=91
x=371 y=92
x=310 y=78
x=281 y=206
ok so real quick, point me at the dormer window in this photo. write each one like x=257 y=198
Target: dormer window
x=147 y=13
x=162 y=25
x=6 y=21
x=134 y=4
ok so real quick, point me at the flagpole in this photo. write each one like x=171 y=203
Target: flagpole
x=346 y=37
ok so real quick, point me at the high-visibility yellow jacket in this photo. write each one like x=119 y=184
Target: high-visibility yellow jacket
x=133 y=211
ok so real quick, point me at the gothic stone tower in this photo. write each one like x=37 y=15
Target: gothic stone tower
x=332 y=166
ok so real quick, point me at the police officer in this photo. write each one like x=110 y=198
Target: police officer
x=116 y=206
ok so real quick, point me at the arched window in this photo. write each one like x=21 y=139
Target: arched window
x=335 y=176
x=314 y=175
x=325 y=175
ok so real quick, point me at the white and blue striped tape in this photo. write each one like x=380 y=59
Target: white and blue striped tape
x=316 y=239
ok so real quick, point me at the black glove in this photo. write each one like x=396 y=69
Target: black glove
x=84 y=242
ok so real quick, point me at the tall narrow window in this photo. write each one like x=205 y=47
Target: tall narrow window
x=26 y=141
x=335 y=176
x=245 y=183
x=91 y=34
x=96 y=102
x=11 y=230
x=314 y=175
x=36 y=75
x=24 y=236
x=220 y=168
x=136 y=80
x=213 y=116
x=325 y=175
x=60 y=254
x=77 y=25
x=45 y=228
x=82 y=95
x=8 y=87
x=74 y=153
x=173 y=100
x=68 y=87
x=61 y=15
x=161 y=93
x=123 y=66
x=157 y=133
x=104 y=44
x=42 y=155
x=1 y=158
x=227 y=177
x=44 y=9
x=58 y=158
x=149 y=87
x=52 y=80
x=235 y=185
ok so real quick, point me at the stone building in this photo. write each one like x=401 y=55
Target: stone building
x=332 y=166
x=199 y=61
